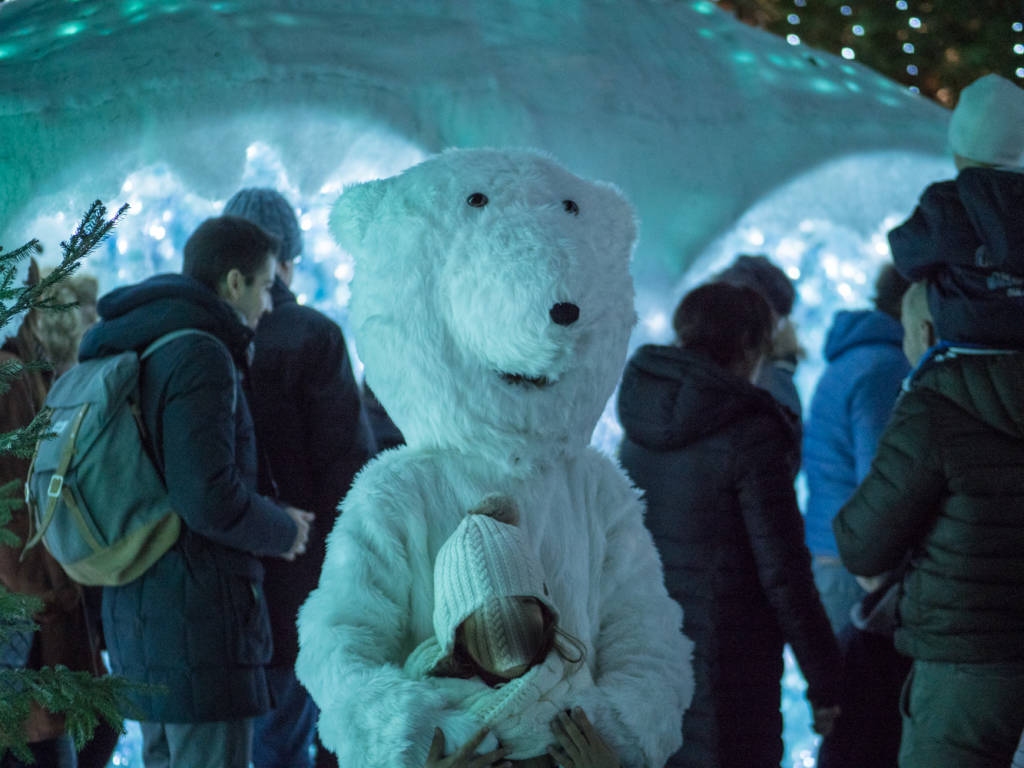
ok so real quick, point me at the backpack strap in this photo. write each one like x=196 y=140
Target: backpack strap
x=56 y=490
x=168 y=337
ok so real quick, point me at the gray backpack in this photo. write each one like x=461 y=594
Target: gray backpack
x=99 y=504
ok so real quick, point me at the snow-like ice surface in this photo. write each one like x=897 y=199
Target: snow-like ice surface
x=726 y=139
x=695 y=116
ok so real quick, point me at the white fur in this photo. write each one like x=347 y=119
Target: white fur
x=445 y=298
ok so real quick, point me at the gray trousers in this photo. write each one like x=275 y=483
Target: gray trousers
x=222 y=744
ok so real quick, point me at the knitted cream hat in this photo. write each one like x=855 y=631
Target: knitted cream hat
x=483 y=566
x=988 y=123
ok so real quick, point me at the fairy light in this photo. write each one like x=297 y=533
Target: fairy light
x=846 y=10
x=793 y=18
x=858 y=30
x=793 y=39
x=901 y=5
x=914 y=22
x=1019 y=49
x=848 y=53
x=908 y=47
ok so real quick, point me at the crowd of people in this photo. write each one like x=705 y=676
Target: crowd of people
x=898 y=586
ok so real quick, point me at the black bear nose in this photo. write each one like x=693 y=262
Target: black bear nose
x=565 y=314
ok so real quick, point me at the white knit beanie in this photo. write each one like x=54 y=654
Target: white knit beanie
x=482 y=566
x=988 y=123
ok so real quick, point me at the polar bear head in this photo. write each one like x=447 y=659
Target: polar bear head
x=492 y=301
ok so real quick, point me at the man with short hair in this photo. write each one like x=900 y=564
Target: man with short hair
x=194 y=626
x=311 y=424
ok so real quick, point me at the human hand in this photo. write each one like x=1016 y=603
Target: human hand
x=825 y=719
x=579 y=745
x=465 y=757
x=302 y=523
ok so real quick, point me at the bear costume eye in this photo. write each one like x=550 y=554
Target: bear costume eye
x=571 y=207
x=477 y=200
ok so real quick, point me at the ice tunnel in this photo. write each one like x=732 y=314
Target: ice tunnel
x=172 y=104
x=726 y=139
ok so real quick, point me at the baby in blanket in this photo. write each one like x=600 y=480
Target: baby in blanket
x=498 y=651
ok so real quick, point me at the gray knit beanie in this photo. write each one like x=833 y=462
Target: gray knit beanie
x=269 y=210
x=759 y=273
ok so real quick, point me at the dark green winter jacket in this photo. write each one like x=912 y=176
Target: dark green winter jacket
x=947 y=488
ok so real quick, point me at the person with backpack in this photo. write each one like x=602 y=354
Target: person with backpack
x=311 y=424
x=194 y=624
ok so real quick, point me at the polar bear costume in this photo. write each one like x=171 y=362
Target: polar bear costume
x=492 y=305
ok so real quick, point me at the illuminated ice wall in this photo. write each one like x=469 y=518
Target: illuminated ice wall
x=725 y=138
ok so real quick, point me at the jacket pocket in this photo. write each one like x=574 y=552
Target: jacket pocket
x=246 y=620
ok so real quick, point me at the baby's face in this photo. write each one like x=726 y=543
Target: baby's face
x=528 y=617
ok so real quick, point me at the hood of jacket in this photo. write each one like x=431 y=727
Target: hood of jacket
x=862 y=327
x=671 y=397
x=133 y=316
x=987 y=385
x=993 y=199
x=972 y=221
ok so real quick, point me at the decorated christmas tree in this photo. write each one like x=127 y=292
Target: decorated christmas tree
x=933 y=47
x=81 y=698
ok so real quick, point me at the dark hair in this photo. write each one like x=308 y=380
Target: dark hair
x=724 y=322
x=224 y=243
x=890 y=286
x=461 y=664
x=759 y=273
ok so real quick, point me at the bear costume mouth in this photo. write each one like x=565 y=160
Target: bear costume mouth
x=522 y=380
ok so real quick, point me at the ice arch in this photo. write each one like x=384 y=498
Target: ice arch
x=697 y=117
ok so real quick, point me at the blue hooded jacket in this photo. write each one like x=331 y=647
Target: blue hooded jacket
x=849 y=410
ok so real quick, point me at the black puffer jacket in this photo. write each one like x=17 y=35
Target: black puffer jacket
x=716 y=458
x=947 y=487
x=966 y=237
x=196 y=622
x=310 y=423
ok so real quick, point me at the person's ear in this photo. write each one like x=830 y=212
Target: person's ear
x=233 y=283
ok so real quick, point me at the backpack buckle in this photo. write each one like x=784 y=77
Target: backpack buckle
x=56 y=484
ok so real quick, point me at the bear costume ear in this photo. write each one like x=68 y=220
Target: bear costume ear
x=354 y=211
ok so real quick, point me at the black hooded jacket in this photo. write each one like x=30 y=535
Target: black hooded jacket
x=310 y=423
x=716 y=458
x=966 y=237
x=196 y=622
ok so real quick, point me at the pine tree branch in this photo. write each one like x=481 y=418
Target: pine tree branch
x=22 y=442
x=91 y=231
